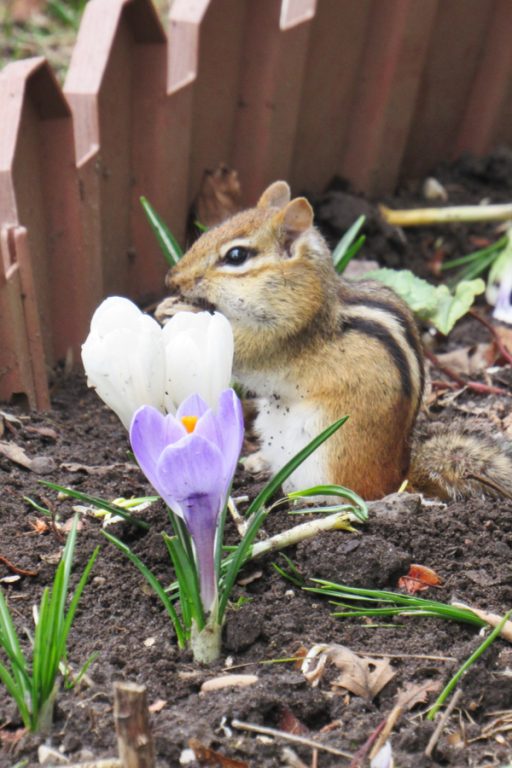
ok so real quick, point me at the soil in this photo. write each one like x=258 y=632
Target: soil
x=82 y=445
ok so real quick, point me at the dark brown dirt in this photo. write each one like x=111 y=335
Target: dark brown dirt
x=467 y=544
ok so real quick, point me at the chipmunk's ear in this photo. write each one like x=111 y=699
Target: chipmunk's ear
x=296 y=217
x=275 y=196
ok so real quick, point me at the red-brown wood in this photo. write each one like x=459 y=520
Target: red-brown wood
x=270 y=90
x=330 y=82
x=117 y=89
x=22 y=360
x=457 y=43
x=39 y=190
x=490 y=89
x=395 y=46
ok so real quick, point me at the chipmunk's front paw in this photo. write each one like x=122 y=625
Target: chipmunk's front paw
x=171 y=306
x=256 y=463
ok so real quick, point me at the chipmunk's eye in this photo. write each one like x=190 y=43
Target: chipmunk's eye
x=238 y=255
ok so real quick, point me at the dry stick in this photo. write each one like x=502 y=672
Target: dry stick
x=494 y=333
x=418 y=217
x=391 y=721
x=134 y=740
x=294 y=738
x=442 y=722
x=475 y=386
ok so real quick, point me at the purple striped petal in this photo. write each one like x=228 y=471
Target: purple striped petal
x=226 y=430
x=150 y=433
x=194 y=405
x=191 y=467
x=201 y=514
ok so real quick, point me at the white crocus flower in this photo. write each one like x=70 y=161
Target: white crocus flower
x=198 y=357
x=131 y=361
x=123 y=359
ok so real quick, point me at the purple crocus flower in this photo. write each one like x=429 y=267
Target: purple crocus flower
x=190 y=460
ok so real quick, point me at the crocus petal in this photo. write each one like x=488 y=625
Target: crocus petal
x=150 y=434
x=203 y=345
x=193 y=466
x=503 y=308
x=226 y=430
x=123 y=358
x=194 y=405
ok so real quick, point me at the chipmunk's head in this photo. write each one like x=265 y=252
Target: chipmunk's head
x=266 y=269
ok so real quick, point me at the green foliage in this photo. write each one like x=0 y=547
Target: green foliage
x=32 y=683
x=389 y=603
x=434 y=304
x=348 y=246
x=475 y=263
x=170 y=247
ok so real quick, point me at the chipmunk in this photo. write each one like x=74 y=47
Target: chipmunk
x=314 y=347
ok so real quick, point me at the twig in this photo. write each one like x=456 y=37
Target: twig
x=474 y=386
x=391 y=721
x=293 y=737
x=16 y=569
x=134 y=740
x=452 y=214
x=442 y=722
x=406 y=655
x=494 y=333
x=365 y=748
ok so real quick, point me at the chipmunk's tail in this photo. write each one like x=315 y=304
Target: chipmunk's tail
x=461 y=463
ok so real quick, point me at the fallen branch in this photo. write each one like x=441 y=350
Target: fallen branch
x=419 y=217
x=294 y=738
x=300 y=533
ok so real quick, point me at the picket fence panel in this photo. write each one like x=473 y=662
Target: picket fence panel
x=373 y=90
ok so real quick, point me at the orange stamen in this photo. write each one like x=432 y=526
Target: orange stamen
x=189 y=422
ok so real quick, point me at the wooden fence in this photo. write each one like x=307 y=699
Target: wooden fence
x=297 y=89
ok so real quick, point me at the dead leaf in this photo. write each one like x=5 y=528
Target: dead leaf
x=416 y=693
x=291 y=724
x=39 y=525
x=361 y=675
x=48 y=432
x=418 y=579
x=228 y=681
x=41 y=465
x=157 y=706
x=219 y=196
x=206 y=756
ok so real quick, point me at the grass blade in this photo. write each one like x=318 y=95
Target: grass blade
x=272 y=486
x=359 y=506
x=99 y=503
x=166 y=240
x=347 y=248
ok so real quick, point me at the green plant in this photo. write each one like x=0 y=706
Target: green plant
x=377 y=602
x=192 y=622
x=170 y=247
x=32 y=682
